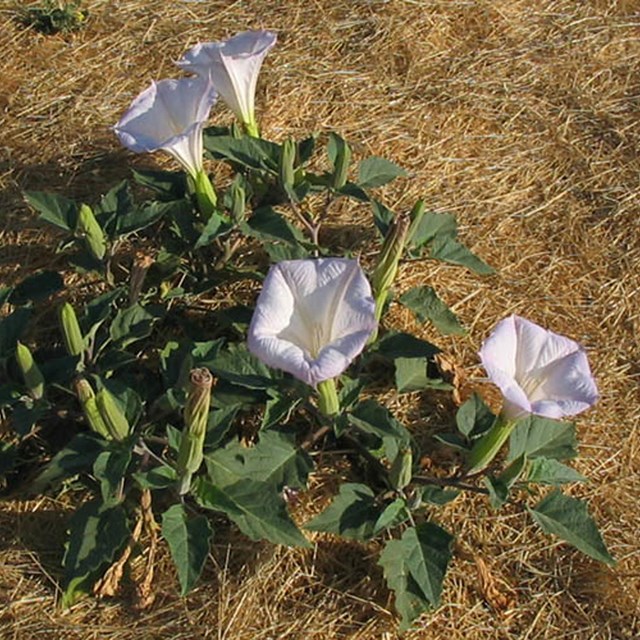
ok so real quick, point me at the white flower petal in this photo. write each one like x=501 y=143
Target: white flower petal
x=233 y=66
x=313 y=317
x=169 y=115
x=499 y=349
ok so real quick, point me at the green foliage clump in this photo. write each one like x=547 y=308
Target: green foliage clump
x=52 y=16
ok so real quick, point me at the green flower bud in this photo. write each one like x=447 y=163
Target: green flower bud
x=286 y=165
x=196 y=417
x=30 y=373
x=73 y=340
x=87 y=399
x=112 y=415
x=88 y=227
x=238 y=198
x=401 y=470
x=341 y=162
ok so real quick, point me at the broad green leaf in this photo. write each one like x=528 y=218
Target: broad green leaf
x=238 y=366
x=141 y=217
x=540 y=437
x=375 y=172
x=96 y=533
x=371 y=417
x=382 y=217
x=37 y=287
x=258 y=511
x=453 y=440
x=426 y=305
x=411 y=374
x=274 y=460
x=498 y=491
x=188 y=539
x=569 y=519
x=394 y=513
x=403 y=345
x=167 y=185
x=278 y=410
x=550 y=471
x=110 y=469
x=354 y=191
x=132 y=324
x=353 y=514
x=57 y=210
x=474 y=417
x=214 y=227
x=253 y=153
x=25 y=415
x=156 y=478
x=11 y=328
x=433 y=225
x=414 y=567
x=267 y=225
x=78 y=455
x=450 y=250
x=221 y=419
x=438 y=495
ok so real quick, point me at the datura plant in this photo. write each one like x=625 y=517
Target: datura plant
x=181 y=401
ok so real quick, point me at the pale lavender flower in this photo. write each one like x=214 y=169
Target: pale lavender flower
x=233 y=66
x=313 y=317
x=170 y=115
x=538 y=371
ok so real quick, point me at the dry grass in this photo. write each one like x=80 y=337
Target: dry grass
x=523 y=118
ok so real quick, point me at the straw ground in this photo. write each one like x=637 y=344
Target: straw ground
x=523 y=119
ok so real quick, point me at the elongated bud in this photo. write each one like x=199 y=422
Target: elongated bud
x=341 y=163
x=238 y=199
x=487 y=446
x=73 y=340
x=112 y=415
x=141 y=264
x=401 y=470
x=196 y=417
x=87 y=399
x=88 y=227
x=30 y=373
x=286 y=167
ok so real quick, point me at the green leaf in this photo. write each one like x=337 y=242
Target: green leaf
x=274 y=460
x=394 y=514
x=214 y=227
x=96 y=533
x=188 y=540
x=37 y=287
x=438 y=495
x=278 y=410
x=253 y=153
x=167 y=185
x=403 y=345
x=78 y=455
x=353 y=514
x=11 y=328
x=238 y=366
x=57 y=210
x=375 y=172
x=141 y=217
x=426 y=305
x=382 y=217
x=450 y=250
x=411 y=374
x=433 y=225
x=132 y=324
x=371 y=417
x=414 y=567
x=540 y=437
x=109 y=469
x=156 y=478
x=267 y=225
x=550 y=471
x=258 y=511
x=569 y=519
x=474 y=417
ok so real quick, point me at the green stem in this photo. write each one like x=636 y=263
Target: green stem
x=252 y=129
x=328 y=402
x=486 y=448
x=205 y=194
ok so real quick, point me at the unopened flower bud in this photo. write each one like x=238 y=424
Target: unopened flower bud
x=400 y=473
x=341 y=163
x=112 y=415
x=87 y=399
x=141 y=264
x=286 y=166
x=196 y=417
x=30 y=372
x=88 y=228
x=73 y=340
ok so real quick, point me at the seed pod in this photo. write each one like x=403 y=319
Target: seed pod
x=115 y=421
x=87 y=399
x=91 y=231
x=73 y=340
x=286 y=165
x=401 y=470
x=31 y=374
x=196 y=417
x=341 y=163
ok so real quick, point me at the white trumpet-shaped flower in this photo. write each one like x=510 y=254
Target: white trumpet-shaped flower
x=538 y=371
x=170 y=115
x=313 y=317
x=233 y=66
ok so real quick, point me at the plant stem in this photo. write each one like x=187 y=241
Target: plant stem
x=486 y=448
